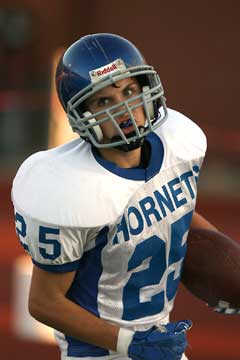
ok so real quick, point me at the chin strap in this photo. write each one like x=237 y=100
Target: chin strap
x=133 y=145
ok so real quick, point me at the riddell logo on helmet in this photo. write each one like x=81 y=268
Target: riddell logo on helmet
x=116 y=66
x=106 y=70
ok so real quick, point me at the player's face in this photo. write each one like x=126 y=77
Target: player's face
x=112 y=95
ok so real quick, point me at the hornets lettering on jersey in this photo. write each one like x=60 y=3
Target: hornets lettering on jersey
x=127 y=247
x=156 y=205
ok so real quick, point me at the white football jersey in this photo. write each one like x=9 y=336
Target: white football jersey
x=122 y=230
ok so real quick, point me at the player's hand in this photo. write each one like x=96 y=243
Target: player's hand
x=167 y=342
x=224 y=307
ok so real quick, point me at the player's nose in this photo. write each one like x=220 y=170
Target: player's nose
x=121 y=107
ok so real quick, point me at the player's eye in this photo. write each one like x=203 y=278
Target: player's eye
x=128 y=92
x=103 y=101
x=131 y=91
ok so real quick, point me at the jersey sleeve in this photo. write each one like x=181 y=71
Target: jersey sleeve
x=52 y=248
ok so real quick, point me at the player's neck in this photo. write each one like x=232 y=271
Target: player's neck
x=122 y=159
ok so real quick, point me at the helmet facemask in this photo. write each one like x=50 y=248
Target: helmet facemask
x=151 y=99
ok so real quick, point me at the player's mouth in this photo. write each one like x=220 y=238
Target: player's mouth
x=126 y=126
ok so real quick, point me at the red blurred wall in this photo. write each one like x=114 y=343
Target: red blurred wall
x=195 y=48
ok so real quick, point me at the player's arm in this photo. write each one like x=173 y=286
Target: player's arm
x=48 y=304
x=198 y=221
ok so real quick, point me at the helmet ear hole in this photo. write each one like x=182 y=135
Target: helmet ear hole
x=150 y=106
x=95 y=130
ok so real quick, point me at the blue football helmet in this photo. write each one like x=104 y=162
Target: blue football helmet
x=94 y=62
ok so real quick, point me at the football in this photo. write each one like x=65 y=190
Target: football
x=211 y=269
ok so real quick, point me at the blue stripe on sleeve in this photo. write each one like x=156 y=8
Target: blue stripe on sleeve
x=84 y=292
x=67 y=267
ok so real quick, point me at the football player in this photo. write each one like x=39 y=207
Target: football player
x=105 y=217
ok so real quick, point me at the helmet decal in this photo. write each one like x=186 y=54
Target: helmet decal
x=113 y=67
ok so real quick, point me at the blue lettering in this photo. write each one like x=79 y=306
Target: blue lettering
x=133 y=307
x=177 y=252
x=121 y=227
x=185 y=177
x=22 y=231
x=196 y=169
x=54 y=245
x=166 y=200
x=176 y=192
x=152 y=208
x=148 y=208
x=137 y=230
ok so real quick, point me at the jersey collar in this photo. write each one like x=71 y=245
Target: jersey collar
x=139 y=174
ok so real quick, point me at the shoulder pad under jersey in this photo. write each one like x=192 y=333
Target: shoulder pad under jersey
x=183 y=139
x=66 y=186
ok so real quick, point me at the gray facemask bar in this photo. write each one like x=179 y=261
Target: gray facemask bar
x=83 y=125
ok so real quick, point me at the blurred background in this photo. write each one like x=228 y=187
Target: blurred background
x=195 y=48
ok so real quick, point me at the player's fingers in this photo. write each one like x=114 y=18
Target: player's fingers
x=182 y=326
x=175 y=327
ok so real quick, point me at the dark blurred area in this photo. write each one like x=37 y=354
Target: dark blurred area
x=195 y=48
